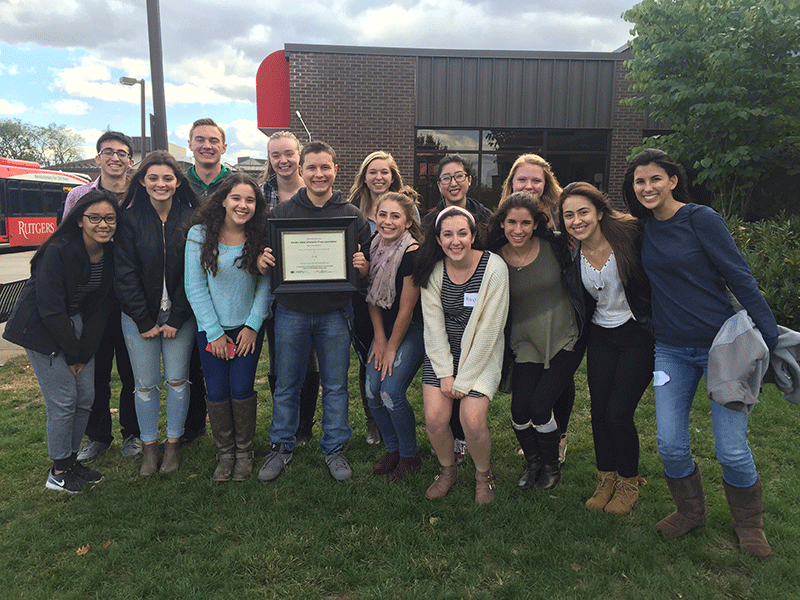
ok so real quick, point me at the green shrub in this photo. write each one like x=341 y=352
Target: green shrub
x=772 y=249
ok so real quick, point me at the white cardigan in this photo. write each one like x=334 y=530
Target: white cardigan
x=483 y=341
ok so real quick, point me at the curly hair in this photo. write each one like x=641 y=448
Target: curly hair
x=212 y=216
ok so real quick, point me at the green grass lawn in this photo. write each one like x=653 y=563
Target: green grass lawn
x=308 y=536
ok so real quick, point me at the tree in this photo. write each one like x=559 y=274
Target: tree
x=725 y=75
x=49 y=145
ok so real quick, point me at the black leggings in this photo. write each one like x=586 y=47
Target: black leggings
x=619 y=366
x=535 y=390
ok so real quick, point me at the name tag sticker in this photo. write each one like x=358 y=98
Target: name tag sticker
x=469 y=299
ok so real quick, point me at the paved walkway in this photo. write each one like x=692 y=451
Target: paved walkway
x=13 y=267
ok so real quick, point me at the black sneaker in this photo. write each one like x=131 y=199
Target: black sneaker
x=66 y=481
x=85 y=473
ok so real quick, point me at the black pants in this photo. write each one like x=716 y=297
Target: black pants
x=112 y=344
x=619 y=367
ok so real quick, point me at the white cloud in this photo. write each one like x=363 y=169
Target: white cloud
x=11 y=108
x=69 y=107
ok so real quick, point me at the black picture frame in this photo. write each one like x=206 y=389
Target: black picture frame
x=334 y=232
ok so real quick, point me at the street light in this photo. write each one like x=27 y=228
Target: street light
x=134 y=81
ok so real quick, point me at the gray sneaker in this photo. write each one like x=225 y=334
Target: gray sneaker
x=91 y=451
x=131 y=446
x=275 y=463
x=338 y=465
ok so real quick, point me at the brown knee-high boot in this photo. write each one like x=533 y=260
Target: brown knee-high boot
x=690 y=498
x=747 y=509
x=220 y=416
x=244 y=425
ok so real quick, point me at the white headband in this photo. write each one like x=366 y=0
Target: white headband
x=450 y=210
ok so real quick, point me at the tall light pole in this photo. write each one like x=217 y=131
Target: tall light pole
x=134 y=81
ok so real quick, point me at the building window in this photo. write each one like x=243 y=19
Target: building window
x=575 y=154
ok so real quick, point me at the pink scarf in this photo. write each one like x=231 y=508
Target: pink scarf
x=384 y=261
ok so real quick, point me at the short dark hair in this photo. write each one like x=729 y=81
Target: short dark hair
x=316 y=148
x=455 y=158
x=119 y=137
x=210 y=123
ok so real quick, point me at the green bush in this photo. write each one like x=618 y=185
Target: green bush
x=772 y=249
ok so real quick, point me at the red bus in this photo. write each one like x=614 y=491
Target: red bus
x=31 y=199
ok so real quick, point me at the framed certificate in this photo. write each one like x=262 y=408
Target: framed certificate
x=313 y=255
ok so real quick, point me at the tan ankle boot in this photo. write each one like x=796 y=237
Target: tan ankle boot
x=149 y=459
x=172 y=457
x=444 y=481
x=604 y=491
x=626 y=493
x=484 y=487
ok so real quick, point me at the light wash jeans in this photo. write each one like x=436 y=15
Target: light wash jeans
x=677 y=373
x=295 y=332
x=146 y=358
x=387 y=399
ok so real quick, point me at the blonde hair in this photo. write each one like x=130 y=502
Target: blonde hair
x=552 y=190
x=268 y=171
x=359 y=192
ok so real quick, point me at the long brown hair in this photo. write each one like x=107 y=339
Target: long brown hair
x=212 y=215
x=138 y=194
x=622 y=231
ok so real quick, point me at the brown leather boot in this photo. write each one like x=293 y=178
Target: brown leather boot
x=244 y=426
x=747 y=509
x=172 y=457
x=149 y=459
x=444 y=481
x=690 y=498
x=405 y=466
x=221 y=419
x=484 y=487
x=626 y=493
x=604 y=491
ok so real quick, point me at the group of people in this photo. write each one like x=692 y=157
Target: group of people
x=474 y=297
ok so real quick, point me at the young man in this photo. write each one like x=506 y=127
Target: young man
x=115 y=158
x=318 y=319
x=207 y=143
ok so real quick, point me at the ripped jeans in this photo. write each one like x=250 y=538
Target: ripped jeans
x=146 y=358
x=677 y=373
x=387 y=399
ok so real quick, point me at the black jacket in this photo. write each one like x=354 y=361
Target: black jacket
x=40 y=320
x=143 y=262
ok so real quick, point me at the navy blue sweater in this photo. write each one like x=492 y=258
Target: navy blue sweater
x=689 y=258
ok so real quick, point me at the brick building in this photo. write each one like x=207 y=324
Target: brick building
x=488 y=106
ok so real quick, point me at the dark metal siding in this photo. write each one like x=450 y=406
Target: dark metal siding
x=514 y=92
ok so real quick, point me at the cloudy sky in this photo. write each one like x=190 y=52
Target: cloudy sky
x=61 y=60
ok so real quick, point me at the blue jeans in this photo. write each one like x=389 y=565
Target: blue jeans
x=233 y=378
x=683 y=367
x=387 y=399
x=146 y=361
x=295 y=332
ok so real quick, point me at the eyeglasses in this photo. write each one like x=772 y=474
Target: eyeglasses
x=120 y=154
x=94 y=218
x=459 y=177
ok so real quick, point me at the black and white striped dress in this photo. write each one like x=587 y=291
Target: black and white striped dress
x=456 y=316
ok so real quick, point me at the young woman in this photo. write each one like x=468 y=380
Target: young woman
x=156 y=317
x=397 y=349
x=547 y=313
x=282 y=181
x=378 y=174
x=690 y=258
x=230 y=300
x=464 y=304
x=619 y=355
x=59 y=320
x=533 y=174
